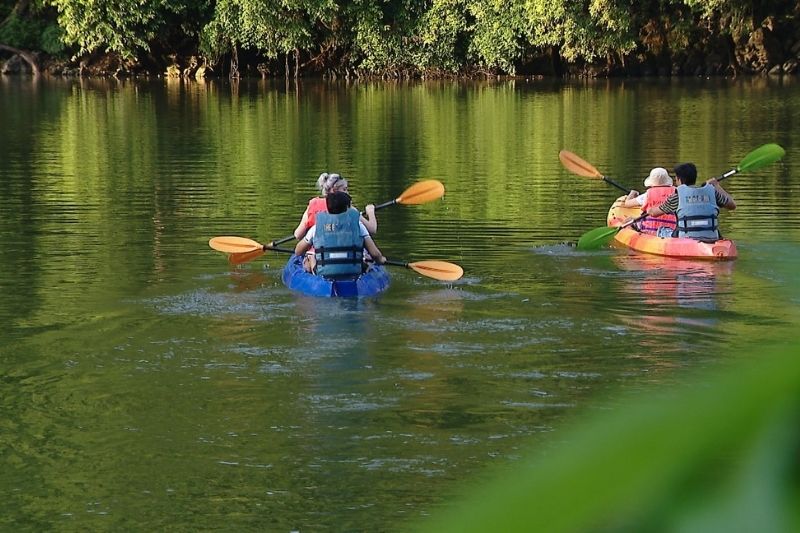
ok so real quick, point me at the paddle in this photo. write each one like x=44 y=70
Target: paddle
x=578 y=166
x=238 y=246
x=421 y=192
x=758 y=158
x=441 y=270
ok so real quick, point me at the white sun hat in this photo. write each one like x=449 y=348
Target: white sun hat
x=658 y=177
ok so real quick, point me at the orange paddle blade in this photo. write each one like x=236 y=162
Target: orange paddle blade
x=441 y=270
x=578 y=166
x=244 y=257
x=422 y=192
x=234 y=245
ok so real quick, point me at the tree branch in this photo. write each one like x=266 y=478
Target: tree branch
x=24 y=54
x=18 y=10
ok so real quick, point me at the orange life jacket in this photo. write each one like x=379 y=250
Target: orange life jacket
x=315 y=205
x=655 y=197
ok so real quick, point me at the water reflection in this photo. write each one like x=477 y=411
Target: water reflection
x=675 y=294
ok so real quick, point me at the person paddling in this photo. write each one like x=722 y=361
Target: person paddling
x=660 y=187
x=338 y=238
x=328 y=183
x=696 y=208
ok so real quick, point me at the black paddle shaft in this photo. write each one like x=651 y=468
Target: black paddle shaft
x=290 y=237
x=615 y=184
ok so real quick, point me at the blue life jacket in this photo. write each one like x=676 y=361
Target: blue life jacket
x=338 y=245
x=697 y=212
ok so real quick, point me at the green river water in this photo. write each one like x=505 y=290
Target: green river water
x=146 y=385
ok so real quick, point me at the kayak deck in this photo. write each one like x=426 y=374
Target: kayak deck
x=723 y=249
x=372 y=282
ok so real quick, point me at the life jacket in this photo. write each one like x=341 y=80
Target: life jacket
x=655 y=197
x=315 y=205
x=338 y=245
x=697 y=212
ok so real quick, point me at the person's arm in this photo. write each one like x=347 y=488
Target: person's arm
x=302 y=247
x=373 y=250
x=668 y=207
x=635 y=200
x=722 y=197
x=370 y=222
x=301 y=229
x=305 y=243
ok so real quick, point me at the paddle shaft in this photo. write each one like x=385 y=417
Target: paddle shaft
x=288 y=251
x=397 y=263
x=439 y=270
x=385 y=204
x=290 y=237
x=617 y=185
x=275 y=249
x=403 y=264
x=281 y=241
x=728 y=174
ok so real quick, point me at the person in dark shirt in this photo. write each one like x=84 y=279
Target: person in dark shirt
x=696 y=208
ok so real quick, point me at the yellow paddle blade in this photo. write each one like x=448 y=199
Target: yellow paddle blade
x=441 y=270
x=422 y=192
x=234 y=245
x=578 y=166
x=244 y=257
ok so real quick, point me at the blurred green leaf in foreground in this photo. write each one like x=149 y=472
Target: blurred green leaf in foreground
x=720 y=453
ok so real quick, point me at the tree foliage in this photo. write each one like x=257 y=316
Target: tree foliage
x=26 y=24
x=393 y=36
x=120 y=26
x=270 y=27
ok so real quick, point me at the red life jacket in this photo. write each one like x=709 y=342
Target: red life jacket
x=655 y=197
x=315 y=205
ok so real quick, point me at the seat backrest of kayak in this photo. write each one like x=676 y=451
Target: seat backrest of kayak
x=345 y=288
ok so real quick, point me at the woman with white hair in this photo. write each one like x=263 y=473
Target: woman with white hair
x=329 y=183
x=660 y=187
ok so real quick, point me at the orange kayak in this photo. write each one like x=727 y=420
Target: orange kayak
x=723 y=249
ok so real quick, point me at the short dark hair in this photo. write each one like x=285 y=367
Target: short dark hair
x=686 y=172
x=337 y=202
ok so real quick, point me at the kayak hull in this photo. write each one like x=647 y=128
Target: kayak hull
x=721 y=250
x=371 y=283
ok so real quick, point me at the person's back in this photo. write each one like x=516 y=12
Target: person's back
x=697 y=212
x=337 y=240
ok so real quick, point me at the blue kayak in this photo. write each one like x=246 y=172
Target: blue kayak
x=372 y=282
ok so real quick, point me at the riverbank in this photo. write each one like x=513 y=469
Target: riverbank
x=763 y=52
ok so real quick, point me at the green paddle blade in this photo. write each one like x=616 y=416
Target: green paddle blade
x=596 y=238
x=761 y=157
